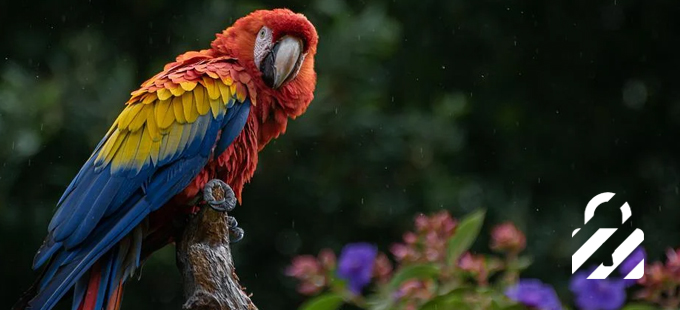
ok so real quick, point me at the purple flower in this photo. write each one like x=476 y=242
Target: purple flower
x=591 y=294
x=534 y=294
x=356 y=265
x=632 y=261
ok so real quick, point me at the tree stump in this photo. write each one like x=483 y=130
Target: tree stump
x=205 y=261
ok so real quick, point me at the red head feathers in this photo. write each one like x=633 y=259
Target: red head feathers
x=277 y=49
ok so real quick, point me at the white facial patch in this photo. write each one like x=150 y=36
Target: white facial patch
x=263 y=45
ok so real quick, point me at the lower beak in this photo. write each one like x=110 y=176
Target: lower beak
x=285 y=59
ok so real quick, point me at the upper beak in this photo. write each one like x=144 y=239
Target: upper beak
x=283 y=61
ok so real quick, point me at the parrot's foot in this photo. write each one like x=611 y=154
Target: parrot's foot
x=219 y=196
x=236 y=233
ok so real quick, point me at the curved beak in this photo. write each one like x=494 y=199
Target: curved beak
x=282 y=62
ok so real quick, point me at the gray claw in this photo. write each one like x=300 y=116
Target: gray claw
x=224 y=204
x=236 y=233
x=232 y=222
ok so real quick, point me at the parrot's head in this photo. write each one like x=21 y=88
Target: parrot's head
x=277 y=48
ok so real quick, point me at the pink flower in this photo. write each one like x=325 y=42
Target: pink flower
x=401 y=251
x=471 y=263
x=415 y=290
x=476 y=265
x=422 y=222
x=383 y=268
x=310 y=288
x=410 y=238
x=303 y=266
x=653 y=282
x=308 y=271
x=507 y=238
x=428 y=242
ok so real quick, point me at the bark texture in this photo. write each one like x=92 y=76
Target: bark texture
x=205 y=261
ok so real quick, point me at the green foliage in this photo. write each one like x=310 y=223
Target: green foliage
x=420 y=271
x=424 y=276
x=328 y=301
x=465 y=236
x=639 y=306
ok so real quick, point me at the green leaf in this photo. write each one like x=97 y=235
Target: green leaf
x=639 y=306
x=380 y=302
x=329 y=301
x=452 y=300
x=465 y=235
x=514 y=307
x=523 y=262
x=422 y=271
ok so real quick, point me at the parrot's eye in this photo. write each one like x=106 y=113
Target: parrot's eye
x=263 y=44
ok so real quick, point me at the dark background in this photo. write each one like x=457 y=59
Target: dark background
x=525 y=108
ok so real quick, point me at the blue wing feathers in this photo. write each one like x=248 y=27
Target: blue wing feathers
x=46 y=251
x=105 y=274
x=79 y=292
x=103 y=240
x=76 y=205
x=62 y=214
x=101 y=206
x=233 y=126
x=87 y=216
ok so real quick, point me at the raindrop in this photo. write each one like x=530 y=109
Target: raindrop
x=443 y=67
x=557 y=111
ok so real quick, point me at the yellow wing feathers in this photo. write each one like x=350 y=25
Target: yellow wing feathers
x=160 y=124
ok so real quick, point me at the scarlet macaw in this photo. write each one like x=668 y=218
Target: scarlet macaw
x=205 y=116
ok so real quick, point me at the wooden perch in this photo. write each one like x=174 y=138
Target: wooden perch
x=204 y=257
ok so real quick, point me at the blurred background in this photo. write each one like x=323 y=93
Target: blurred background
x=525 y=108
